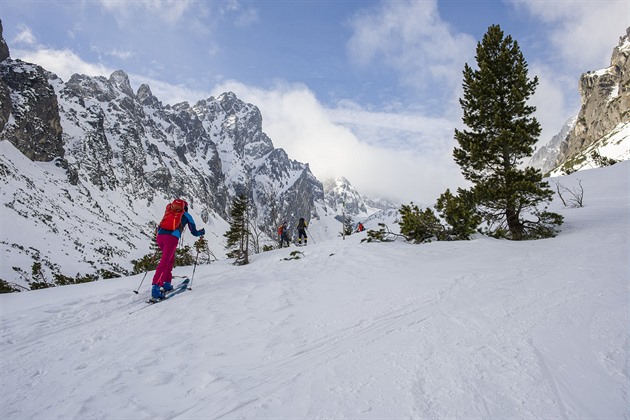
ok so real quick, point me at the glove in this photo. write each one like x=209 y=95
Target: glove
x=202 y=232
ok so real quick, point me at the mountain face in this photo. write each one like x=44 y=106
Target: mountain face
x=339 y=193
x=603 y=122
x=605 y=102
x=88 y=165
x=546 y=157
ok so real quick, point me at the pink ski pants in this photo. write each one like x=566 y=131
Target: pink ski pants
x=163 y=272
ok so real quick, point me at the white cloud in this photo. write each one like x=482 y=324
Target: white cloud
x=25 y=36
x=200 y=17
x=582 y=32
x=168 y=93
x=410 y=38
x=64 y=63
x=123 y=55
x=398 y=130
x=553 y=106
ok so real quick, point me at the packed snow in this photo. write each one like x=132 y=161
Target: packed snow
x=473 y=329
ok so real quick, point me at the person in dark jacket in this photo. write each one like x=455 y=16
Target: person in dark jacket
x=167 y=241
x=301 y=228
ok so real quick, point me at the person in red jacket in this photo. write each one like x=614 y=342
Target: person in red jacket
x=167 y=241
x=283 y=231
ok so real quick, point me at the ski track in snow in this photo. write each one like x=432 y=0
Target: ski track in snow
x=476 y=329
x=317 y=355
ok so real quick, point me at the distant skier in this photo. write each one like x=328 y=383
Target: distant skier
x=169 y=231
x=301 y=228
x=283 y=231
x=360 y=227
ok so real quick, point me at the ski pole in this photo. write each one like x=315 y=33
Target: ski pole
x=146 y=272
x=143 y=277
x=194 y=268
x=309 y=234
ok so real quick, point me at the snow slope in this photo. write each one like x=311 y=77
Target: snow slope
x=484 y=328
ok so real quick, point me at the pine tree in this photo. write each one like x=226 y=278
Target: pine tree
x=238 y=235
x=348 y=226
x=502 y=132
x=183 y=256
x=417 y=225
x=6 y=287
x=39 y=279
x=204 y=255
x=459 y=212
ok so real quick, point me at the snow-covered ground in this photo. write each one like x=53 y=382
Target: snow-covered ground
x=477 y=329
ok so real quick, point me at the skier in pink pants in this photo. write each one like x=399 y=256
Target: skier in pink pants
x=167 y=241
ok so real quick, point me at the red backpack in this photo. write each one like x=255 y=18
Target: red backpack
x=173 y=215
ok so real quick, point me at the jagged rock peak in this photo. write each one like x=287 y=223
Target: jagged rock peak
x=228 y=100
x=120 y=80
x=145 y=97
x=624 y=41
x=4 y=48
x=339 y=184
x=233 y=105
x=341 y=195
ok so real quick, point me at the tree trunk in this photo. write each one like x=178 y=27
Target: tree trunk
x=514 y=224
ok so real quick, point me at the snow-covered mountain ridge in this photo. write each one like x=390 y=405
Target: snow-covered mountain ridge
x=88 y=165
x=484 y=328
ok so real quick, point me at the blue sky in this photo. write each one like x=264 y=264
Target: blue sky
x=364 y=89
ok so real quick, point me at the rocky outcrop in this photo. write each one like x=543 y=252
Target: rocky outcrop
x=5 y=105
x=605 y=102
x=29 y=113
x=5 y=94
x=34 y=126
x=4 y=48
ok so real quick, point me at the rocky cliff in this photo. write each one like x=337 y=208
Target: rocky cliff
x=605 y=104
x=29 y=114
x=4 y=48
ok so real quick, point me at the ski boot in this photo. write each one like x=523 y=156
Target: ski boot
x=157 y=293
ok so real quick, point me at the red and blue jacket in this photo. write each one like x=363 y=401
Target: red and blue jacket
x=186 y=220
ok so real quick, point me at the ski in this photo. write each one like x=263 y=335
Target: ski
x=181 y=287
x=176 y=290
